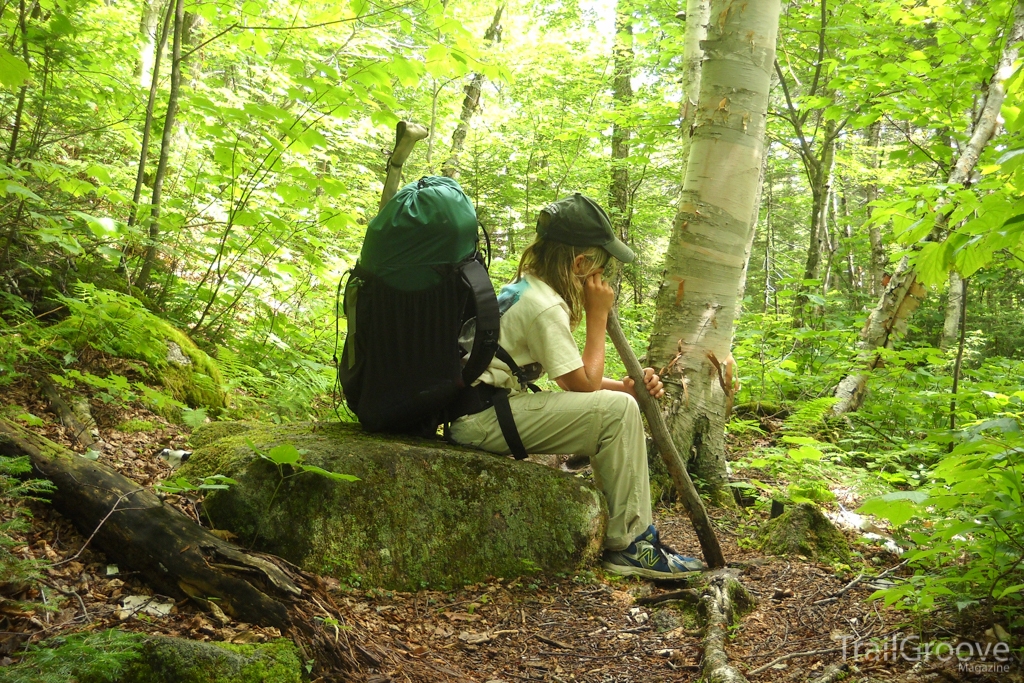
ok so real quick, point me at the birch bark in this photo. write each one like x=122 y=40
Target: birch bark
x=697 y=13
x=706 y=263
x=954 y=303
x=878 y=255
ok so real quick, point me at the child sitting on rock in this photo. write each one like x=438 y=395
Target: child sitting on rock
x=560 y=279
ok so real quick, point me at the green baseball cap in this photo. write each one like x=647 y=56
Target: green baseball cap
x=581 y=222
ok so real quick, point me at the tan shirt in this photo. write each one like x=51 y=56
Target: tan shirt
x=535 y=331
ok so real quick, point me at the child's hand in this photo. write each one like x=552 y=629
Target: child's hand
x=651 y=381
x=598 y=296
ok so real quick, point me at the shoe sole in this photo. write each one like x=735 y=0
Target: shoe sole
x=647 y=573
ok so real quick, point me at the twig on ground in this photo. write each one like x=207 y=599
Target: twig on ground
x=860 y=577
x=552 y=642
x=99 y=526
x=578 y=654
x=792 y=655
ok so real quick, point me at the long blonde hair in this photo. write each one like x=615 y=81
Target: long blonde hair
x=552 y=262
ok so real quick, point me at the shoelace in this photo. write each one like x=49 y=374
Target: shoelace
x=656 y=542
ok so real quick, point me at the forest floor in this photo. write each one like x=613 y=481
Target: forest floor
x=588 y=627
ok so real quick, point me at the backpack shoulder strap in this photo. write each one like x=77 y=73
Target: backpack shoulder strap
x=485 y=341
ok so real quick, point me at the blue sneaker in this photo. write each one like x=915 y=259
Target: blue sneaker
x=646 y=556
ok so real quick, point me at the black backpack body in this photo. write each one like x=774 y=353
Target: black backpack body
x=419 y=279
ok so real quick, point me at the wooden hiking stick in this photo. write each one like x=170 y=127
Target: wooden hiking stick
x=666 y=446
x=406 y=136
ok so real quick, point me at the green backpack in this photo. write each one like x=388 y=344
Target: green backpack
x=419 y=280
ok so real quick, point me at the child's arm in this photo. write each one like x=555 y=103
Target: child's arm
x=598 y=299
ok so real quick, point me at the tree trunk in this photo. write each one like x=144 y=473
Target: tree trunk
x=470 y=103
x=954 y=304
x=148 y=35
x=706 y=263
x=165 y=147
x=147 y=126
x=878 y=256
x=842 y=207
x=819 y=175
x=622 y=98
x=904 y=293
x=697 y=13
x=23 y=90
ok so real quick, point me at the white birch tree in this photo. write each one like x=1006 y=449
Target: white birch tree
x=706 y=262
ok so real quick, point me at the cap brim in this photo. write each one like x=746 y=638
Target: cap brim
x=619 y=250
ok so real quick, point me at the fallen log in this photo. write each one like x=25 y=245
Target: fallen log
x=722 y=601
x=138 y=531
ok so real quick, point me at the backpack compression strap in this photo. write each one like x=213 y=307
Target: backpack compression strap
x=502 y=409
x=485 y=341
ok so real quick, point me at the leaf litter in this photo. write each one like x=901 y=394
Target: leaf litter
x=587 y=627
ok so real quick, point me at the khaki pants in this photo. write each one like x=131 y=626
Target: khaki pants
x=604 y=425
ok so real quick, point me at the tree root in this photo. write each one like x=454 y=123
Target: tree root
x=722 y=601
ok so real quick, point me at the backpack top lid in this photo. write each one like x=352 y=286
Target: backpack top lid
x=428 y=223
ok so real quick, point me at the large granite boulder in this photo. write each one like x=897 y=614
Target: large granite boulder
x=423 y=513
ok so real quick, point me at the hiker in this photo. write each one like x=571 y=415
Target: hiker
x=560 y=278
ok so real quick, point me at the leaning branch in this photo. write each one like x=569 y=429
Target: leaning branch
x=666 y=446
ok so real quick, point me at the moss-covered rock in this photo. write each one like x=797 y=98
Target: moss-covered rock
x=118 y=657
x=424 y=513
x=186 y=371
x=119 y=325
x=175 y=660
x=804 y=530
x=213 y=431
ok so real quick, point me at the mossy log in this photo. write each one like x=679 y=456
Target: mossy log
x=804 y=530
x=117 y=657
x=136 y=530
x=424 y=513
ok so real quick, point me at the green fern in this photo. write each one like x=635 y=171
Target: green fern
x=14 y=491
x=810 y=418
x=94 y=657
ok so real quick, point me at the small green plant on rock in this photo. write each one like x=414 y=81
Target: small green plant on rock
x=289 y=461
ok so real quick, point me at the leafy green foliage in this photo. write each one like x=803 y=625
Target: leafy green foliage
x=287 y=458
x=15 y=489
x=967 y=522
x=94 y=657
